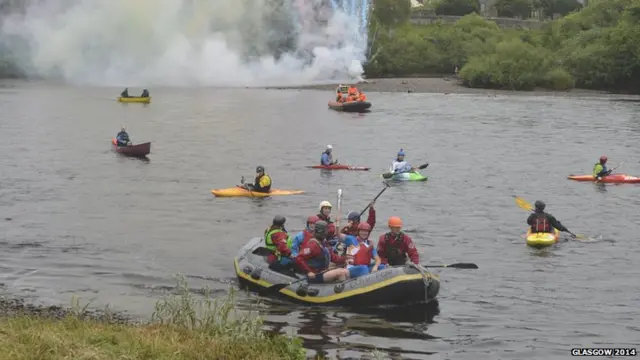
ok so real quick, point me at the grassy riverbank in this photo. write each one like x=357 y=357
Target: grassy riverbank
x=182 y=327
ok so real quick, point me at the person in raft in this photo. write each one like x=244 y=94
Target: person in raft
x=304 y=235
x=542 y=222
x=326 y=159
x=399 y=165
x=600 y=169
x=362 y=253
x=315 y=256
x=341 y=93
x=395 y=246
x=262 y=183
x=279 y=242
x=122 y=139
x=353 y=220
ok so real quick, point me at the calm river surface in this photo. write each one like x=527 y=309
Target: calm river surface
x=78 y=219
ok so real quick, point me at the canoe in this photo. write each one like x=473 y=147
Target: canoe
x=135 y=99
x=339 y=167
x=351 y=106
x=139 y=150
x=393 y=286
x=242 y=192
x=613 y=178
x=410 y=176
x=541 y=240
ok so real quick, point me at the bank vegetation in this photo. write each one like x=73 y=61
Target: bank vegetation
x=595 y=47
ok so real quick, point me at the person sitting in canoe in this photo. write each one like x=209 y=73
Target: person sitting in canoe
x=262 y=182
x=122 y=139
x=400 y=166
x=314 y=258
x=125 y=93
x=342 y=93
x=145 y=93
x=542 y=222
x=326 y=159
x=362 y=253
x=395 y=246
x=353 y=220
x=279 y=242
x=304 y=235
x=600 y=169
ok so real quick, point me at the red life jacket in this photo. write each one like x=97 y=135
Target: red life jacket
x=541 y=224
x=364 y=254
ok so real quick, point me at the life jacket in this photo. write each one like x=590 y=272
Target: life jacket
x=363 y=253
x=393 y=252
x=320 y=262
x=256 y=182
x=269 y=242
x=541 y=224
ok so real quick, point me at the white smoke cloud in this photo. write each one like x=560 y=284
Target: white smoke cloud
x=184 y=42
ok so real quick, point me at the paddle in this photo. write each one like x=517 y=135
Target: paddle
x=455 y=266
x=389 y=175
x=375 y=198
x=524 y=204
x=339 y=209
x=609 y=172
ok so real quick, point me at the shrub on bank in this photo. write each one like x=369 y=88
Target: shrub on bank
x=183 y=327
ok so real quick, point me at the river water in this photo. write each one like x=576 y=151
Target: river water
x=78 y=219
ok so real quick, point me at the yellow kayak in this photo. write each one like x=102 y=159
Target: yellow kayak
x=135 y=99
x=541 y=240
x=242 y=192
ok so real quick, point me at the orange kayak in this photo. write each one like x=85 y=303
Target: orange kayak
x=242 y=192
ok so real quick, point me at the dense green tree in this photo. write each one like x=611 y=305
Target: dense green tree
x=391 y=13
x=514 y=8
x=457 y=7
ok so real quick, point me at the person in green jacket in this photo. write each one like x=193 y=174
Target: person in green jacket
x=600 y=169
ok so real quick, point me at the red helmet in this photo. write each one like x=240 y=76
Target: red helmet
x=603 y=159
x=312 y=219
x=364 y=226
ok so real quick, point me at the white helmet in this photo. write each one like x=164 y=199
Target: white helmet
x=329 y=147
x=324 y=204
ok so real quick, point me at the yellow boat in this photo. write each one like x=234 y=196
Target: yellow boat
x=242 y=192
x=135 y=99
x=541 y=240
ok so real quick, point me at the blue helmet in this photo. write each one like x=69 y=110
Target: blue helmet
x=401 y=152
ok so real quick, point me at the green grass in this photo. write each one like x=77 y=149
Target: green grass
x=182 y=327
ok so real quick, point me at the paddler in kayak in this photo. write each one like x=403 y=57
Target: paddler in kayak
x=353 y=220
x=362 y=253
x=399 y=165
x=327 y=158
x=542 y=222
x=279 y=242
x=262 y=183
x=122 y=139
x=314 y=257
x=394 y=246
x=304 y=235
x=600 y=169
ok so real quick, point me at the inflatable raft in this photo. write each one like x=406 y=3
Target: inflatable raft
x=394 y=286
x=351 y=106
x=409 y=176
x=242 y=192
x=613 y=178
x=338 y=167
x=135 y=99
x=542 y=240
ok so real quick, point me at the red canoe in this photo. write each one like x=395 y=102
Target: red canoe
x=139 y=150
x=339 y=167
x=613 y=178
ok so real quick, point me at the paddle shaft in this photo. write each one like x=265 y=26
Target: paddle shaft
x=456 y=266
x=374 y=199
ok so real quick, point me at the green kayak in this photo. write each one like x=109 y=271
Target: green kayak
x=410 y=176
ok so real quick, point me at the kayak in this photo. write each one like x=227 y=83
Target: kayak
x=139 y=150
x=242 y=192
x=541 y=240
x=351 y=106
x=339 y=167
x=394 y=286
x=135 y=99
x=409 y=176
x=613 y=178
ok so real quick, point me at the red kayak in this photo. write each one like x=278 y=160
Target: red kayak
x=613 y=178
x=339 y=167
x=139 y=150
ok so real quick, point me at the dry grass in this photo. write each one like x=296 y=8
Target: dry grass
x=182 y=327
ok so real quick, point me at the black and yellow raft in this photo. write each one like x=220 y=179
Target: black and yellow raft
x=393 y=286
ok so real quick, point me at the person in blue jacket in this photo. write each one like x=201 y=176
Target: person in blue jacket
x=122 y=138
x=327 y=159
x=304 y=235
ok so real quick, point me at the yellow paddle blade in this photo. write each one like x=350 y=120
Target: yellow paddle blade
x=581 y=237
x=523 y=204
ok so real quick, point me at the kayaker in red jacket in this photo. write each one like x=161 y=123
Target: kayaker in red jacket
x=394 y=246
x=315 y=256
x=353 y=220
